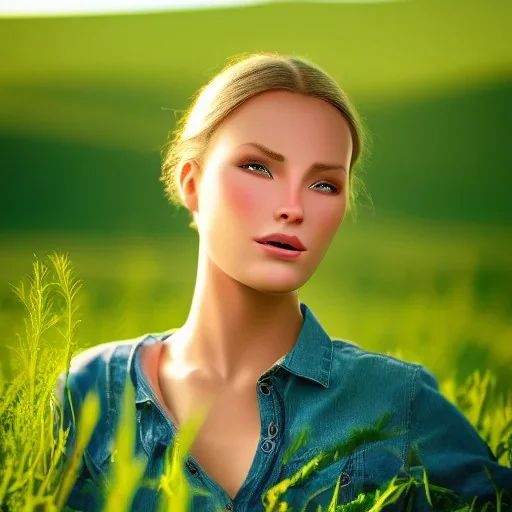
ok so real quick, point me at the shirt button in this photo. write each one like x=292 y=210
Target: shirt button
x=191 y=467
x=267 y=446
x=147 y=403
x=265 y=387
x=344 y=479
x=272 y=430
x=229 y=506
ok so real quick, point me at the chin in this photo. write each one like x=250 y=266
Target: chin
x=275 y=285
x=277 y=290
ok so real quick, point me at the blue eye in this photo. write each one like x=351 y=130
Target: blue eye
x=333 y=189
x=253 y=164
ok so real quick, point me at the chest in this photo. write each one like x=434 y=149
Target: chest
x=226 y=442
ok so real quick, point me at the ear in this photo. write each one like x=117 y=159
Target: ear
x=188 y=181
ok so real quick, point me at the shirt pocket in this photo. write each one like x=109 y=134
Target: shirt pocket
x=382 y=462
x=319 y=487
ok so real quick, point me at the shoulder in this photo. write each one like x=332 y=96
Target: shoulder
x=91 y=362
x=93 y=367
x=365 y=374
x=352 y=356
x=88 y=368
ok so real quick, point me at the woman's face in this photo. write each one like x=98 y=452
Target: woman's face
x=245 y=194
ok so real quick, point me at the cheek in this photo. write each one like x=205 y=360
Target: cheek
x=328 y=217
x=241 y=198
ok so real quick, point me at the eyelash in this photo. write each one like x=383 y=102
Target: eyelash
x=334 y=188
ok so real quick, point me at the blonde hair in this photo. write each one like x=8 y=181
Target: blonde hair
x=242 y=78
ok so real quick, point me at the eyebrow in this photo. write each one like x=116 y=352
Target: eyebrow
x=318 y=166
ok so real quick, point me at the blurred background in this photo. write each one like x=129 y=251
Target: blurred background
x=424 y=272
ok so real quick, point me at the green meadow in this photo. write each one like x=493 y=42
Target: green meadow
x=423 y=272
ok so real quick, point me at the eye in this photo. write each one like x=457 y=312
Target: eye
x=255 y=164
x=332 y=188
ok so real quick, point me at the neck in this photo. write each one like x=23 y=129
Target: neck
x=234 y=332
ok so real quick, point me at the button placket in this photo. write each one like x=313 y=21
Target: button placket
x=268 y=443
x=146 y=433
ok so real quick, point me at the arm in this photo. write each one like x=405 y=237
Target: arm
x=450 y=449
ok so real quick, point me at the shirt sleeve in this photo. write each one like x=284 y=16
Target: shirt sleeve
x=85 y=495
x=449 y=448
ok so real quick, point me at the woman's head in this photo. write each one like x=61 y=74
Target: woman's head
x=242 y=162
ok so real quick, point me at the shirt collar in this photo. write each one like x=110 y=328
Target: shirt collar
x=143 y=392
x=310 y=357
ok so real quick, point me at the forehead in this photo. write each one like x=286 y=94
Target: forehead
x=289 y=123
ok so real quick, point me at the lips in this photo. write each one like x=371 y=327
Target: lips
x=282 y=240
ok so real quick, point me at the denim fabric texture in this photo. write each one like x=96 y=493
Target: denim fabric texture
x=328 y=385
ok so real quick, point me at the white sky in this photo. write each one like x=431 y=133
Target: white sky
x=15 y=8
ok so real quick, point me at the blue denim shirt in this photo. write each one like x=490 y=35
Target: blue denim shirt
x=331 y=386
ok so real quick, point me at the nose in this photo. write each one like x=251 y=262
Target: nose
x=291 y=213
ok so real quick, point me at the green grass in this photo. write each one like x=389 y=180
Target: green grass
x=429 y=295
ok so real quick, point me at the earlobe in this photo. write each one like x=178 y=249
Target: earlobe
x=189 y=184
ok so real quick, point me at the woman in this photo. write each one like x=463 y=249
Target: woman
x=265 y=162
